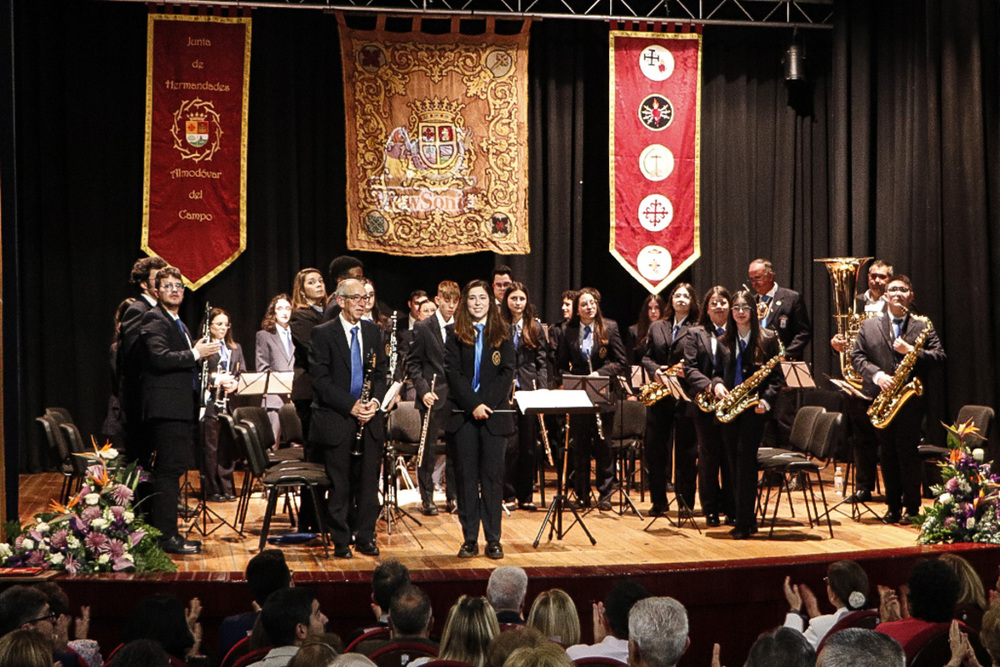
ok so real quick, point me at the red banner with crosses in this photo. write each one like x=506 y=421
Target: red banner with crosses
x=194 y=194
x=655 y=109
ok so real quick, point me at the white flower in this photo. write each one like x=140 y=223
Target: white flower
x=108 y=454
x=73 y=542
x=5 y=550
x=945 y=498
x=129 y=517
x=103 y=559
x=99 y=524
x=971 y=523
x=28 y=544
x=92 y=498
x=978 y=454
x=129 y=557
x=57 y=558
x=42 y=527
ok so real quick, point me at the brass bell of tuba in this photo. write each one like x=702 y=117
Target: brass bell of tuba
x=844 y=273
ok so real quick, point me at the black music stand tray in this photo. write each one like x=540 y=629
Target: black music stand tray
x=556 y=401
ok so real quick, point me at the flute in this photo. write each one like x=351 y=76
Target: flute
x=426 y=424
x=544 y=431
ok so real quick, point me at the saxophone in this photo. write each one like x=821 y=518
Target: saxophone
x=744 y=395
x=653 y=391
x=889 y=401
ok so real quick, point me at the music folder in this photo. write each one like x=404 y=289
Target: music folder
x=265 y=383
x=797 y=374
x=598 y=387
x=554 y=401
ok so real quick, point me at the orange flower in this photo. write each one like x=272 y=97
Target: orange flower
x=59 y=508
x=956 y=455
x=100 y=475
x=961 y=431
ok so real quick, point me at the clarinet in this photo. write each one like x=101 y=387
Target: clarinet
x=544 y=431
x=205 y=382
x=392 y=349
x=366 y=395
x=426 y=425
x=221 y=397
x=597 y=415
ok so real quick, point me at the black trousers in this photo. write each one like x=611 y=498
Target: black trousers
x=864 y=443
x=479 y=468
x=586 y=443
x=425 y=473
x=217 y=462
x=671 y=450
x=741 y=440
x=352 y=504
x=519 y=462
x=716 y=498
x=171 y=443
x=900 y=459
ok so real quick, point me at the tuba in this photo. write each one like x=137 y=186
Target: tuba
x=888 y=402
x=844 y=275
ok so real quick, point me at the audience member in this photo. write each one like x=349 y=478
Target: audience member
x=860 y=647
x=658 y=632
x=314 y=653
x=544 y=655
x=933 y=591
x=289 y=616
x=352 y=660
x=410 y=620
x=266 y=573
x=25 y=648
x=509 y=641
x=971 y=592
x=388 y=578
x=989 y=635
x=506 y=590
x=87 y=651
x=553 y=613
x=846 y=589
x=27 y=608
x=611 y=623
x=784 y=647
x=163 y=619
x=471 y=626
x=140 y=653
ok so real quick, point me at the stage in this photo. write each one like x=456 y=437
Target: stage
x=732 y=589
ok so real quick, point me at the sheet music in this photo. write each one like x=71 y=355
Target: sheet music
x=552 y=400
x=848 y=387
x=390 y=395
x=797 y=374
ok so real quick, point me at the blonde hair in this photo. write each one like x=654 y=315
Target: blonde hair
x=554 y=615
x=970 y=586
x=471 y=625
x=545 y=655
x=25 y=648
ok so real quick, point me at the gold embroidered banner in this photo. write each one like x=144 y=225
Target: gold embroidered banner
x=437 y=154
x=195 y=193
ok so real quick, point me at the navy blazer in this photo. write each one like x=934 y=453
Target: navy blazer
x=496 y=377
x=789 y=319
x=701 y=368
x=872 y=351
x=662 y=349
x=330 y=367
x=128 y=357
x=169 y=369
x=606 y=358
x=425 y=358
x=531 y=363
x=302 y=323
x=271 y=355
x=726 y=363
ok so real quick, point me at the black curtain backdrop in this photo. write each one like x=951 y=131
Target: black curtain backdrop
x=889 y=150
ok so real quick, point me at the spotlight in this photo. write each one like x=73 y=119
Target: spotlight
x=795 y=60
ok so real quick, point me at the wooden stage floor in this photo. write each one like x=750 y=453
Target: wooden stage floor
x=621 y=540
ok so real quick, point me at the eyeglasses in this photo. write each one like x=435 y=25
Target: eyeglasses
x=741 y=309
x=172 y=287
x=50 y=617
x=878 y=276
x=354 y=297
x=898 y=290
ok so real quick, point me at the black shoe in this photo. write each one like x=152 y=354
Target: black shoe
x=494 y=550
x=730 y=520
x=510 y=505
x=670 y=487
x=177 y=545
x=216 y=498
x=907 y=517
x=193 y=543
x=468 y=550
x=367 y=548
x=578 y=504
x=712 y=520
x=891 y=517
x=604 y=504
x=657 y=510
x=229 y=497
x=429 y=509
x=740 y=533
x=342 y=551
x=451 y=506
x=528 y=506
x=861 y=496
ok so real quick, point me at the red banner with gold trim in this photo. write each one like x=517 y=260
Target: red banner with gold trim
x=194 y=195
x=655 y=122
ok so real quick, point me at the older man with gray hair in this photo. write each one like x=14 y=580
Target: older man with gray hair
x=658 y=633
x=858 y=647
x=506 y=590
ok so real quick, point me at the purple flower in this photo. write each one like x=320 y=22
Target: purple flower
x=951 y=485
x=78 y=526
x=137 y=536
x=121 y=564
x=35 y=535
x=35 y=559
x=18 y=541
x=96 y=542
x=71 y=564
x=118 y=512
x=90 y=513
x=122 y=494
x=58 y=539
x=116 y=548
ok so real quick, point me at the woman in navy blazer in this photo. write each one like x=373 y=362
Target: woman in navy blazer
x=479 y=363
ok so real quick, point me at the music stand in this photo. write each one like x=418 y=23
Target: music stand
x=797 y=375
x=625 y=502
x=567 y=402
x=598 y=388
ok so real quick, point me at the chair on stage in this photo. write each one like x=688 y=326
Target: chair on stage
x=290 y=426
x=626 y=440
x=404 y=428
x=73 y=468
x=798 y=441
x=931 y=454
x=807 y=465
x=257 y=415
x=400 y=654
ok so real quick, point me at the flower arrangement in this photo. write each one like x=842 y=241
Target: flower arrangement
x=97 y=530
x=966 y=508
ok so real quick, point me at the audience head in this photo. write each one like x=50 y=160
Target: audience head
x=860 y=647
x=59 y=607
x=314 y=653
x=989 y=634
x=619 y=603
x=160 y=618
x=543 y=655
x=26 y=608
x=970 y=586
x=266 y=573
x=507 y=587
x=849 y=583
x=933 y=591
x=290 y=614
x=140 y=653
x=410 y=613
x=553 y=613
x=658 y=632
x=344 y=267
x=144 y=271
x=352 y=660
x=509 y=641
x=785 y=647
x=388 y=577
x=25 y=648
x=470 y=627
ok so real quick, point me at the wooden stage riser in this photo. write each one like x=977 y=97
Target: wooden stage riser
x=727 y=603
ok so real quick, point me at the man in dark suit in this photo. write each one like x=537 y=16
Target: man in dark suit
x=128 y=362
x=424 y=363
x=882 y=344
x=343 y=351
x=170 y=361
x=780 y=309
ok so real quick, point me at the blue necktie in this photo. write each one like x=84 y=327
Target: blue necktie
x=479 y=356
x=677 y=328
x=766 y=299
x=287 y=336
x=719 y=331
x=588 y=343
x=739 y=361
x=517 y=335
x=897 y=325
x=356 y=372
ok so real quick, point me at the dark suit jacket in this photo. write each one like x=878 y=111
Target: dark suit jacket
x=128 y=358
x=169 y=368
x=271 y=355
x=872 y=351
x=726 y=362
x=496 y=377
x=330 y=367
x=662 y=349
x=789 y=319
x=302 y=322
x=701 y=369
x=606 y=359
x=425 y=358
x=531 y=363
